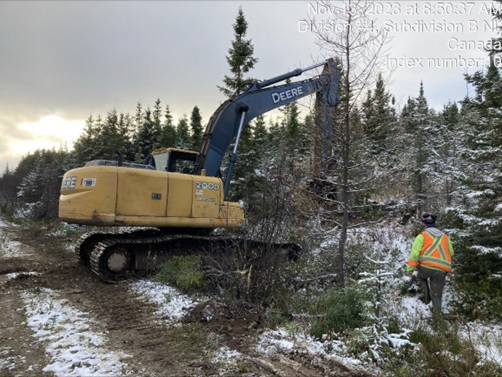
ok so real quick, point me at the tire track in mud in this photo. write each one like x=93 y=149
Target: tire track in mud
x=128 y=322
x=20 y=354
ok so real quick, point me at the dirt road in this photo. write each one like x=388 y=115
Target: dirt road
x=57 y=319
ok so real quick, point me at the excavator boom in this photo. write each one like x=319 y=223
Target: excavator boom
x=226 y=124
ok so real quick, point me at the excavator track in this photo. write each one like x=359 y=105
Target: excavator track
x=88 y=241
x=117 y=257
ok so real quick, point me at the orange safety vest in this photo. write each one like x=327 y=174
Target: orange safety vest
x=435 y=252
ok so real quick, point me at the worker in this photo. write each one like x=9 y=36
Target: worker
x=431 y=256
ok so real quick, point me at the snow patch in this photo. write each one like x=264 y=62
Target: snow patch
x=75 y=349
x=286 y=342
x=226 y=359
x=171 y=304
x=9 y=248
x=487 y=338
x=15 y=275
x=9 y=362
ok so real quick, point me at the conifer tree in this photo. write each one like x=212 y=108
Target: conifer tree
x=382 y=117
x=420 y=132
x=126 y=132
x=157 y=114
x=148 y=135
x=196 y=128
x=260 y=136
x=87 y=146
x=240 y=58
x=478 y=207
x=183 y=138
x=292 y=126
x=168 y=131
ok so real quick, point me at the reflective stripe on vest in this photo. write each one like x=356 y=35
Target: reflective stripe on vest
x=435 y=252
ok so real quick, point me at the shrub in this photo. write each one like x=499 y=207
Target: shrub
x=184 y=272
x=338 y=311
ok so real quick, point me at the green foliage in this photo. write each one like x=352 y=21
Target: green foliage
x=338 y=311
x=39 y=186
x=184 y=272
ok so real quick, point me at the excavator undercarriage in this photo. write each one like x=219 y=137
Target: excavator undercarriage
x=119 y=256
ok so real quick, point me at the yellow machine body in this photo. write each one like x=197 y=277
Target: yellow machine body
x=124 y=196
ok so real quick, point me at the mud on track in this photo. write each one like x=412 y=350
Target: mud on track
x=136 y=340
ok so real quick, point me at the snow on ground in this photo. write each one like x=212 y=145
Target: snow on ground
x=226 y=359
x=171 y=304
x=16 y=275
x=9 y=248
x=9 y=362
x=284 y=341
x=4 y=224
x=69 y=338
x=487 y=338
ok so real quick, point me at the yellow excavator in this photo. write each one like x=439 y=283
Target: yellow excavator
x=172 y=202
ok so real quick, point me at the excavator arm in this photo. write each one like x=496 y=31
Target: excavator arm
x=226 y=124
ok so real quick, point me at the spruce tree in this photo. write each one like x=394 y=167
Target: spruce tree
x=148 y=135
x=291 y=125
x=126 y=132
x=168 y=131
x=420 y=130
x=183 y=138
x=477 y=211
x=240 y=58
x=196 y=128
x=157 y=114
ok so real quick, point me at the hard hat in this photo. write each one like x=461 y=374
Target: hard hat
x=428 y=218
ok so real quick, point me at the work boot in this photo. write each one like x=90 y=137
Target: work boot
x=426 y=299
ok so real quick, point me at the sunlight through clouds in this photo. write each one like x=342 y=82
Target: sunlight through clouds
x=51 y=131
x=55 y=126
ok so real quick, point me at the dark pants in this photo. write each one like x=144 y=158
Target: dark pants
x=432 y=284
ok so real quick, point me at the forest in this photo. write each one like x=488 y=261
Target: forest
x=386 y=162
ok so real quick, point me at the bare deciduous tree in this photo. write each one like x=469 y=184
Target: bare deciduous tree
x=346 y=30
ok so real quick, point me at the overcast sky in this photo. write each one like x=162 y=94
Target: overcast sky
x=62 y=61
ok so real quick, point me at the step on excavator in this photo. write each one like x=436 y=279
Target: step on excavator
x=172 y=203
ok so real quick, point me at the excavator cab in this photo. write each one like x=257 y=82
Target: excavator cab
x=172 y=160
